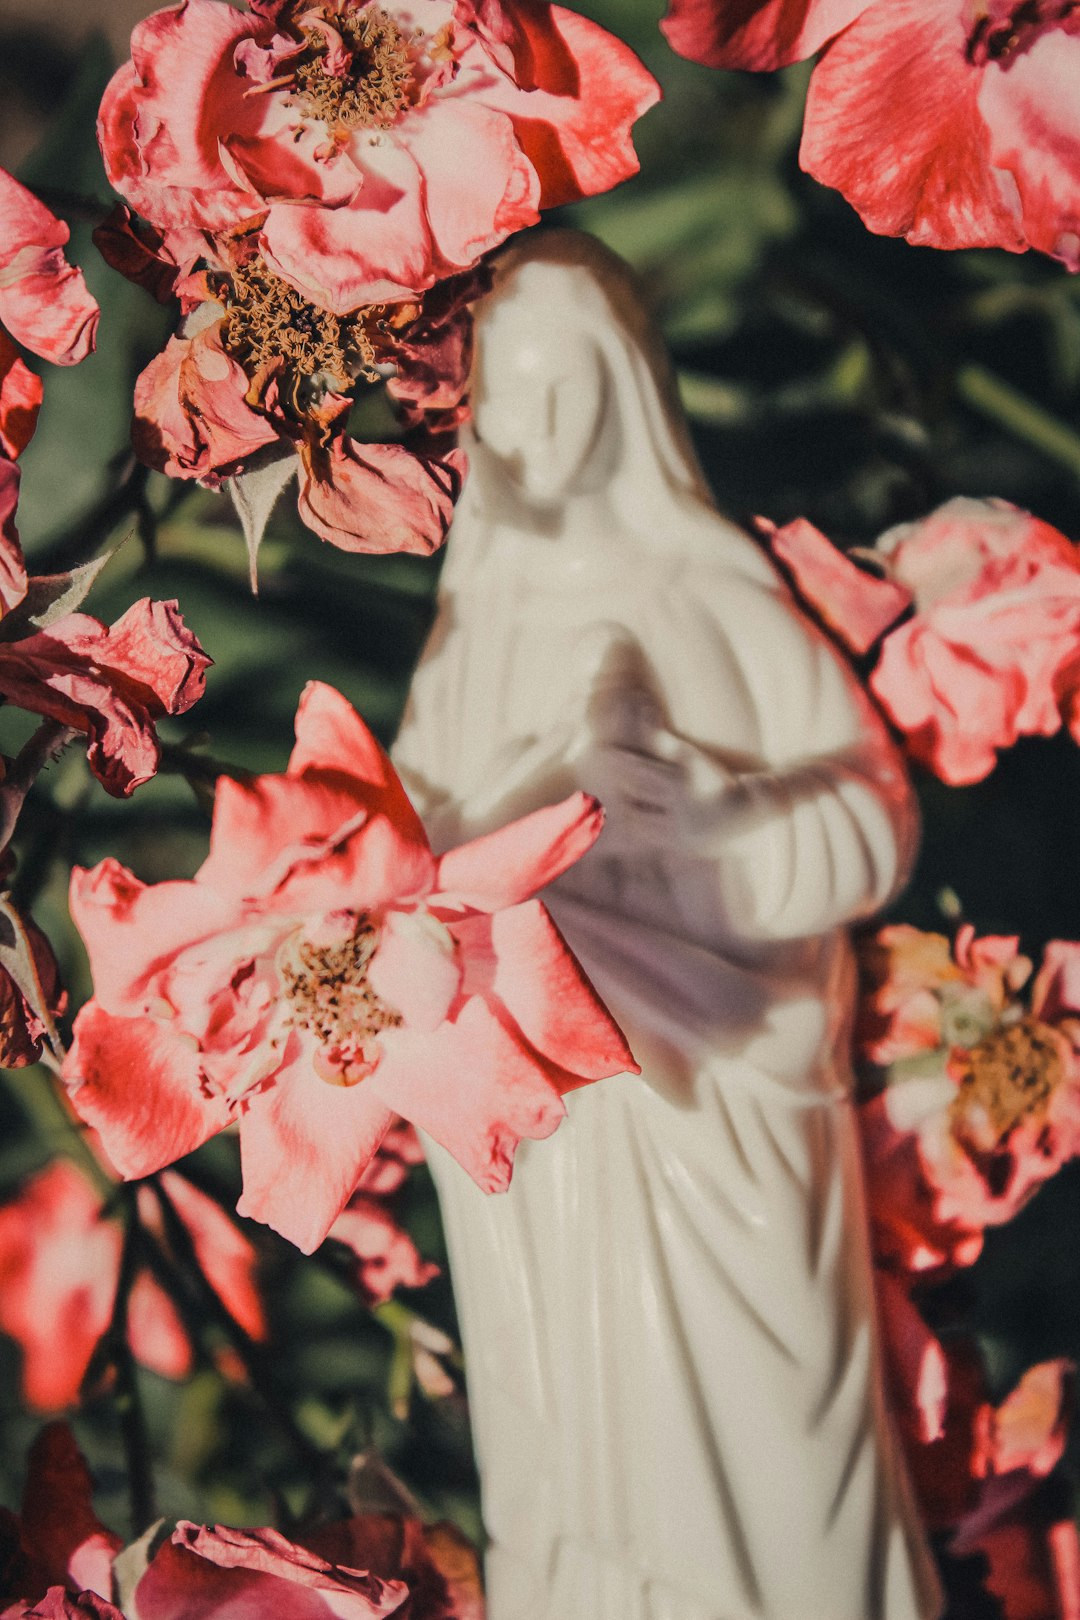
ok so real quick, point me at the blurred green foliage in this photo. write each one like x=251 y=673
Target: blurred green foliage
x=828 y=373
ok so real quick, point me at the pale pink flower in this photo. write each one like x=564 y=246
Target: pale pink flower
x=981 y=1102
x=377 y=147
x=988 y=653
x=324 y=971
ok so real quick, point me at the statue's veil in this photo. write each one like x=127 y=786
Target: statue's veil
x=583 y=293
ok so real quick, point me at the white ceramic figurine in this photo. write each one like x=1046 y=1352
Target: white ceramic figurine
x=668 y=1319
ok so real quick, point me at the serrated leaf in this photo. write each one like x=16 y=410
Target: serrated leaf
x=50 y=597
x=254 y=494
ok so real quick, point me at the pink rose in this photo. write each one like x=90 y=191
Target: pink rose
x=379 y=148
x=955 y=125
x=988 y=652
x=981 y=1103
x=261 y=375
x=325 y=971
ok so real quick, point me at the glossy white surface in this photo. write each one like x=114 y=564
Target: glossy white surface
x=668 y=1324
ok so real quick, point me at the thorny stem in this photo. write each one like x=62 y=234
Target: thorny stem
x=129 y=1407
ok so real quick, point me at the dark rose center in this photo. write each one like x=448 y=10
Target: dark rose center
x=373 y=85
x=1009 y=1076
x=329 y=994
x=1003 y=28
x=271 y=329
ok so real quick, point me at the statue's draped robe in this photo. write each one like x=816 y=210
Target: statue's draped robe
x=668 y=1319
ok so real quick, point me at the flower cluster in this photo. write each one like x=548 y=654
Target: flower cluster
x=323 y=972
x=987 y=647
x=948 y=123
x=973 y=1071
x=318 y=185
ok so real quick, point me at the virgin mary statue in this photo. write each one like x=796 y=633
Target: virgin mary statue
x=668 y=1319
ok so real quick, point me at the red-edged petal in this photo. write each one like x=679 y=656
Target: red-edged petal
x=893 y=122
x=471 y=1085
x=479 y=185
x=162 y=111
x=331 y=736
x=543 y=988
x=857 y=607
x=375 y=249
x=264 y=828
x=503 y=867
x=155 y=1332
x=755 y=34
x=20 y=400
x=43 y=300
x=1056 y=991
x=379 y=497
x=227 y=1258
x=575 y=124
x=132 y=930
x=151 y=650
x=1032 y=112
x=138 y=1083
x=386 y=1256
x=304 y=1144
x=192 y=419
x=309 y=843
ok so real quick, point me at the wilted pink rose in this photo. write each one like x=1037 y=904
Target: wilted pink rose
x=110 y=682
x=981 y=1103
x=223 y=1574
x=989 y=651
x=44 y=303
x=59 y=1266
x=262 y=374
x=323 y=972
x=952 y=124
x=379 y=148
x=56 y=1550
x=385 y=1256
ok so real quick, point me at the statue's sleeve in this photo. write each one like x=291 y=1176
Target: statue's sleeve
x=821 y=828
